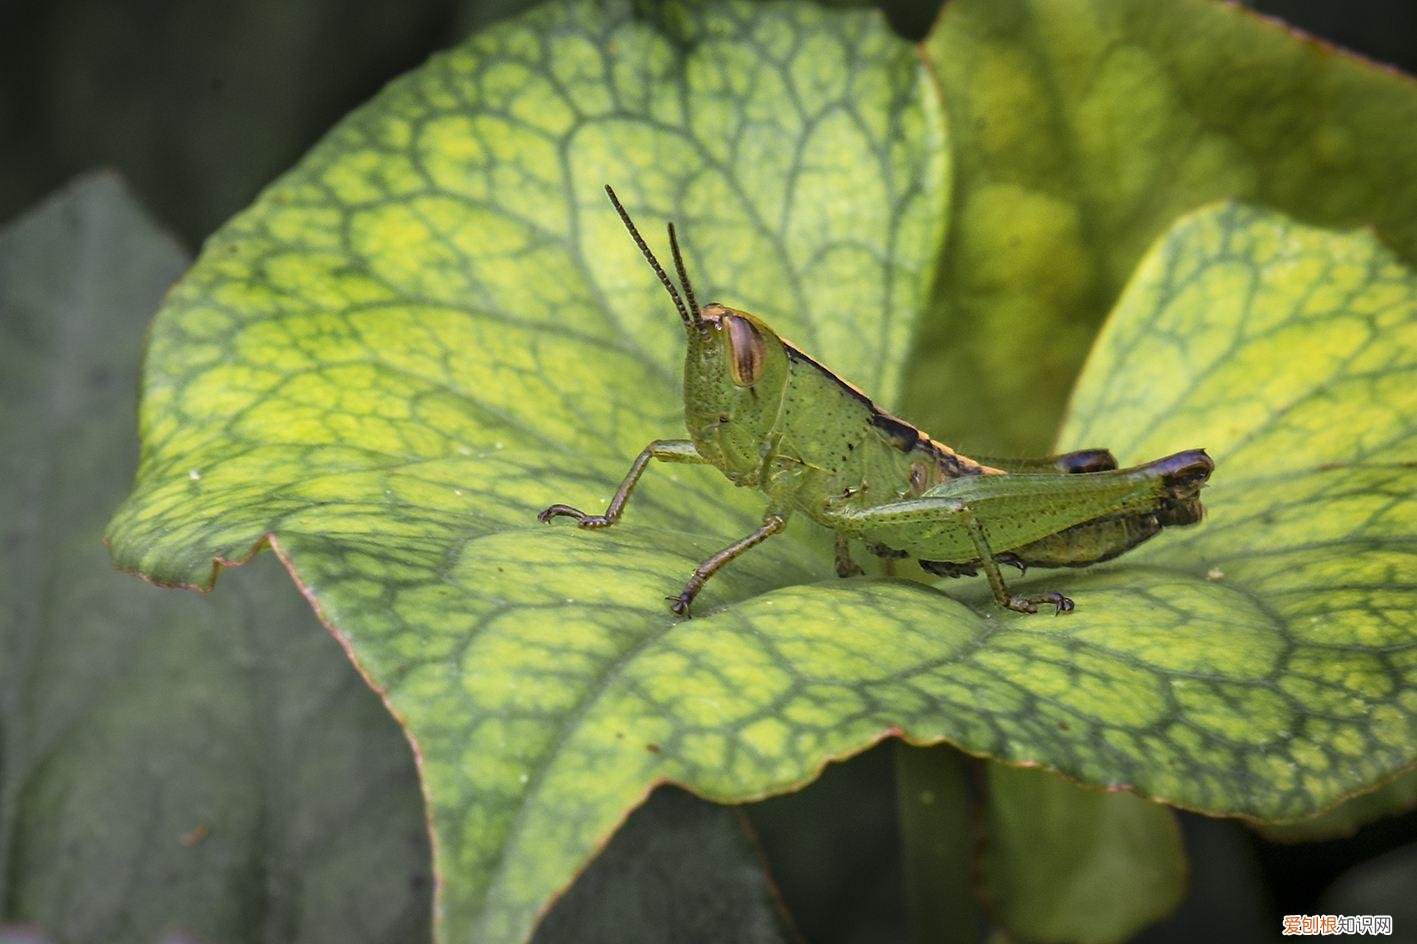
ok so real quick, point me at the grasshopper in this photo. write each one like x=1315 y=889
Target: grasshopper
x=769 y=417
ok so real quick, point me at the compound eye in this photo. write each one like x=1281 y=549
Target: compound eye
x=746 y=350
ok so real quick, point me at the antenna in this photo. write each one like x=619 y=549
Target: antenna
x=684 y=315
x=683 y=275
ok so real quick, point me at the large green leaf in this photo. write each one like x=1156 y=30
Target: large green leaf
x=432 y=328
x=1081 y=129
x=436 y=325
x=167 y=762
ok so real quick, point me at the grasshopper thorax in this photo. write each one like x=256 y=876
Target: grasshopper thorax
x=735 y=372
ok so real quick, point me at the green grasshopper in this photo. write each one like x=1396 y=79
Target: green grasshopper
x=769 y=417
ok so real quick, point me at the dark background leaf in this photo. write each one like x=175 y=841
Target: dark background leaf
x=1382 y=886
x=680 y=869
x=170 y=761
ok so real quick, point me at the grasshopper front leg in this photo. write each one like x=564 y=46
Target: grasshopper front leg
x=665 y=450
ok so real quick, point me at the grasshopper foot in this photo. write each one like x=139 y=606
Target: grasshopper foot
x=583 y=520
x=1030 y=604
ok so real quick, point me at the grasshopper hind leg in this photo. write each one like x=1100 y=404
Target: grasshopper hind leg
x=989 y=562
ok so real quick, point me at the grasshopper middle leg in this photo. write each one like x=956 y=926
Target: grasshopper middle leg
x=845 y=566
x=772 y=523
x=665 y=450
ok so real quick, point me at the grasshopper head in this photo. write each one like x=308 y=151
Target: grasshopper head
x=735 y=372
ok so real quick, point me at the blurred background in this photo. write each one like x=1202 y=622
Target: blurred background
x=199 y=105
